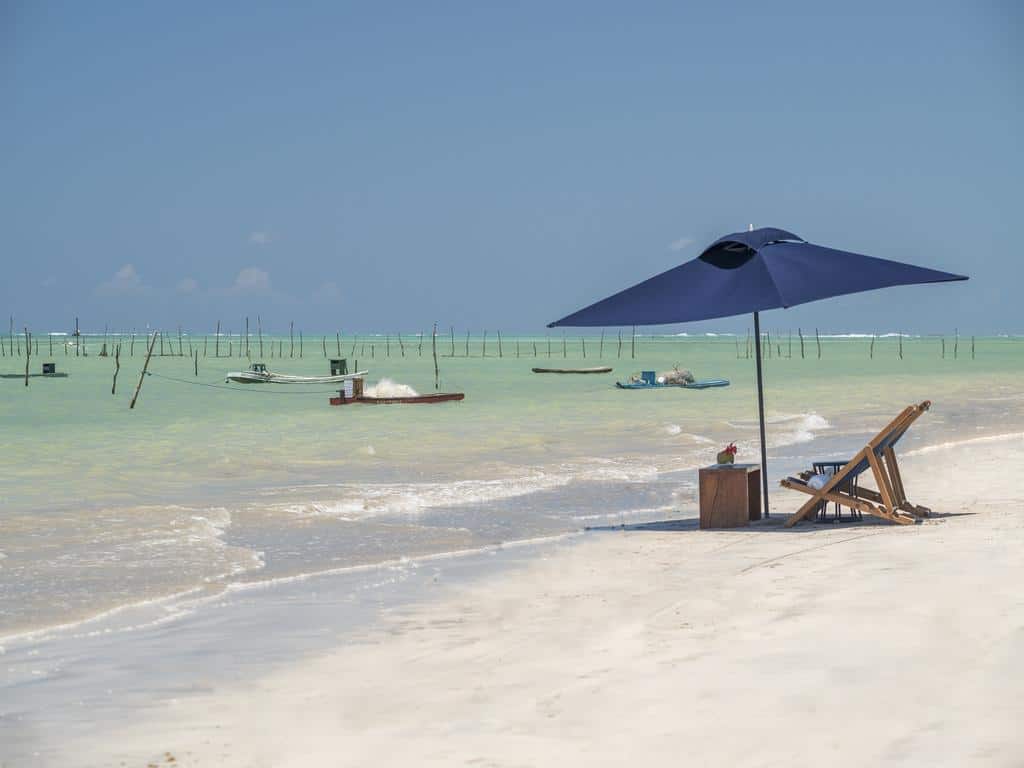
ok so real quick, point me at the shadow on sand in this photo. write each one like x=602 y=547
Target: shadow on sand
x=774 y=524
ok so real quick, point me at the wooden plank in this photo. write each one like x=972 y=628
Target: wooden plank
x=882 y=480
x=894 y=473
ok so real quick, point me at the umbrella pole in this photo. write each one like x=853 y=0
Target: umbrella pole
x=760 y=412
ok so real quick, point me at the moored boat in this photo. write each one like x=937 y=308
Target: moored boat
x=390 y=394
x=258 y=374
x=437 y=397
x=598 y=369
x=650 y=380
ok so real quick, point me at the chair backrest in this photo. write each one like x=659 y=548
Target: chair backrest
x=897 y=428
x=889 y=436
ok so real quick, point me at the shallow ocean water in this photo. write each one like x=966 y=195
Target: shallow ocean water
x=202 y=487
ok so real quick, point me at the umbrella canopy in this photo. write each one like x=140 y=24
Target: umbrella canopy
x=745 y=272
x=749 y=272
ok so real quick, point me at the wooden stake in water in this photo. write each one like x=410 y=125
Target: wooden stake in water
x=437 y=371
x=300 y=343
x=565 y=352
x=259 y=334
x=28 y=353
x=871 y=349
x=901 y=344
x=197 y=364
x=453 y=340
x=499 y=344
x=291 y=336
x=817 y=340
x=633 y=349
x=620 y=343
x=943 y=347
x=145 y=366
x=117 y=368
x=600 y=346
x=972 y=347
x=483 y=352
x=216 y=341
x=583 y=346
x=956 y=341
x=467 y=343
x=337 y=337
x=801 y=335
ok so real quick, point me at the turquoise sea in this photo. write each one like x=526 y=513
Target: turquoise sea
x=206 y=487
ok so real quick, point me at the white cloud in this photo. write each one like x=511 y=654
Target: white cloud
x=125 y=282
x=187 y=285
x=327 y=292
x=252 y=281
x=259 y=238
x=681 y=243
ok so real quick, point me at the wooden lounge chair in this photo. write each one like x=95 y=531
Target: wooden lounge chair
x=890 y=500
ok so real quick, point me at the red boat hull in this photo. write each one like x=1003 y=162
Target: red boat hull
x=440 y=397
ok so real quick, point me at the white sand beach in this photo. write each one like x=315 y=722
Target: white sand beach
x=825 y=645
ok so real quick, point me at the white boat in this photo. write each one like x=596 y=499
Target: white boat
x=258 y=374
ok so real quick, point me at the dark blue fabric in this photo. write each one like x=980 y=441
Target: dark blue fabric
x=749 y=272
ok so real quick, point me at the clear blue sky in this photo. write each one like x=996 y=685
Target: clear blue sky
x=379 y=166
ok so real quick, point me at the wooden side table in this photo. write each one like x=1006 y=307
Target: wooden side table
x=730 y=495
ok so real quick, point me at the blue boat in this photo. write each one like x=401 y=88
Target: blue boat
x=649 y=380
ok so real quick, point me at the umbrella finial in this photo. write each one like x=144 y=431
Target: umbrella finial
x=750 y=227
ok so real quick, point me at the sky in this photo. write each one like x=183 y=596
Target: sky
x=385 y=166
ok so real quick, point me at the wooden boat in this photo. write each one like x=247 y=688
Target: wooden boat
x=699 y=384
x=352 y=392
x=437 y=397
x=258 y=374
x=600 y=369
x=650 y=380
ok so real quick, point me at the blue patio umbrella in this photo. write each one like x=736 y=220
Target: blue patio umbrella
x=750 y=272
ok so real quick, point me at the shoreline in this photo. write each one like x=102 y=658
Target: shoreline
x=823 y=430
x=636 y=644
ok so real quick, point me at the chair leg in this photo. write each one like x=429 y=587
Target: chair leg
x=810 y=506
